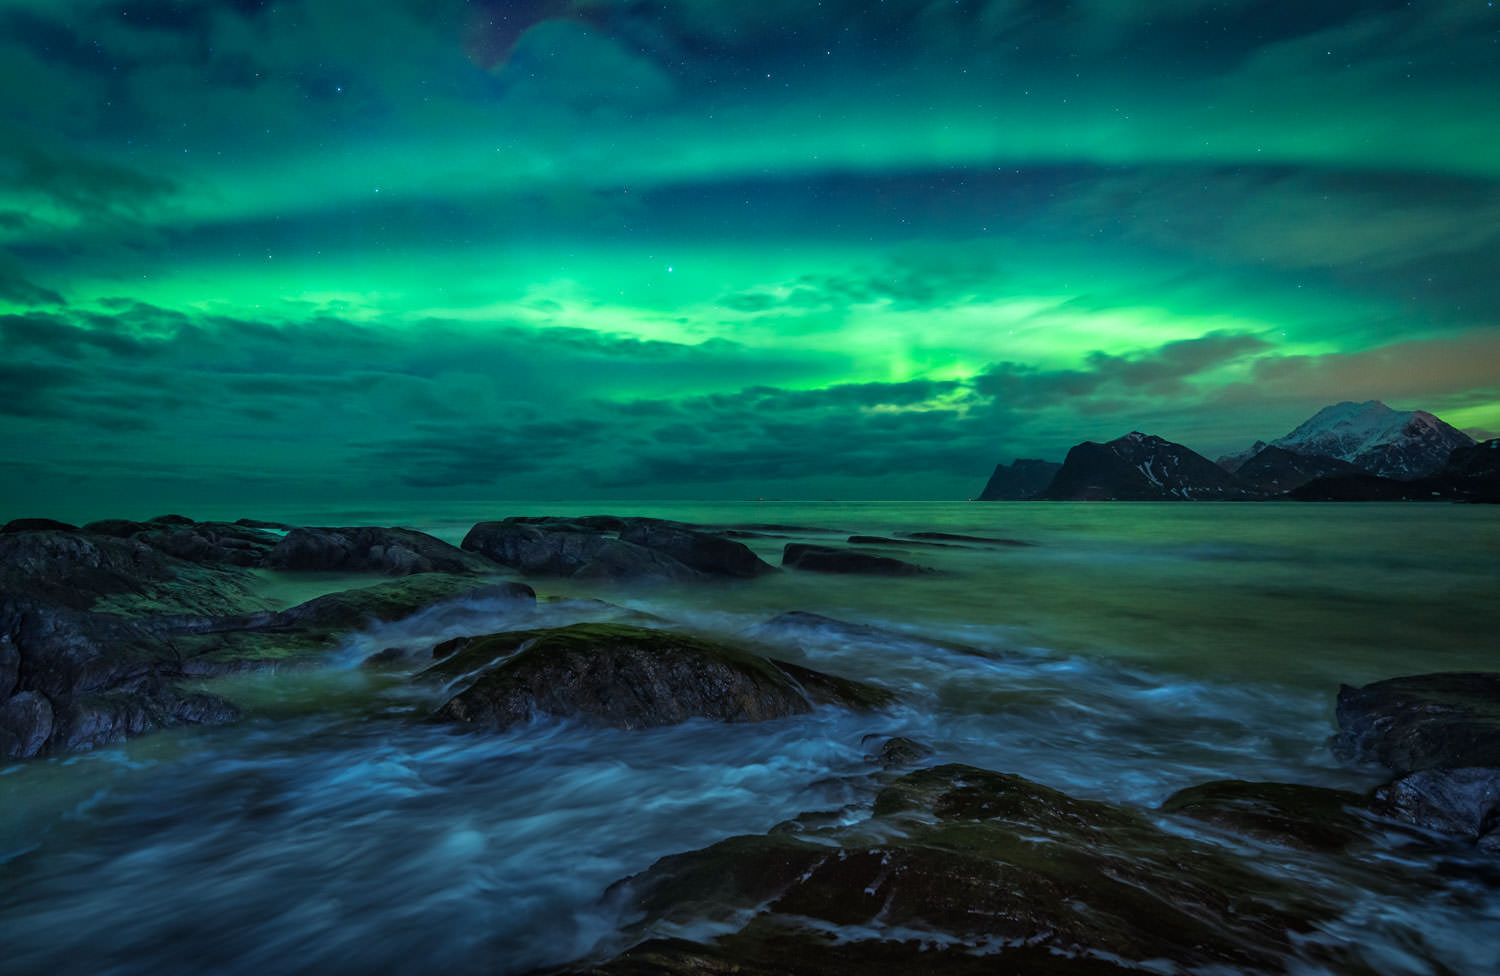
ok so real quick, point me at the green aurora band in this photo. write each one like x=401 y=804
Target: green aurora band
x=334 y=250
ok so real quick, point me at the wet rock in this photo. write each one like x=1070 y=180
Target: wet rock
x=953 y=537
x=36 y=525
x=25 y=725
x=570 y=550
x=899 y=750
x=118 y=528
x=210 y=543
x=1426 y=721
x=251 y=523
x=1457 y=802
x=447 y=647
x=880 y=540
x=967 y=870
x=171 y=520
x=106 y=718
x=392 y=551
x=611 y=548
x=702 y=551
x=827 y=559
x=630 y=677
x=298 y=634
x=1305 y=817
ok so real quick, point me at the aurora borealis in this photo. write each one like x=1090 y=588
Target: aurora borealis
x=706 y=249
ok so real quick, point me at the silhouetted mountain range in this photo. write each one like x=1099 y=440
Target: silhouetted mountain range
x=1345 y=452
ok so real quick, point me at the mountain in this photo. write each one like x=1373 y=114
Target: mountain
x=1472 y=474
x=1139 y=467
x=1401 y=444
x=1232 y=462
x=1020 y=479
x=1275 y=470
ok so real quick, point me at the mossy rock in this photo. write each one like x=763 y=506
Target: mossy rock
x=966 y=870
x=631 y=677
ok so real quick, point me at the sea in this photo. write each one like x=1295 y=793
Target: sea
x=1125 y=652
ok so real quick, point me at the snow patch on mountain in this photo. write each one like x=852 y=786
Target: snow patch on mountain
x=1390 y=443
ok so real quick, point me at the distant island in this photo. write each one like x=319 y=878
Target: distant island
x=1346 y=452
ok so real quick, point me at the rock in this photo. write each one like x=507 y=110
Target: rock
x=641 y=549
x=953 y=537
x=1021 y=479
x=448 y=647
x=119 y=528
x=552 y=551
x=900 y=751
x=966 y=870
x=1458 y=802
x=1305 y=817
x=36 y=525
x=629 y=677
x=299 y=633
x=828 y=559
x=880 y=540
x=210 y=543
x=25 y=725
x=251 y=523
x=702 y=551
x=171 y=520
x=1446 y=720
x=394 y=552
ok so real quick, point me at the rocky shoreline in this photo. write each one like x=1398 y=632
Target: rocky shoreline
x=104 y=627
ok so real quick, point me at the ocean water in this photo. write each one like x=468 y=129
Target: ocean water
x=1130 y=651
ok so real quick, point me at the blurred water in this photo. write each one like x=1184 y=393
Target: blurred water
x=1134 y=650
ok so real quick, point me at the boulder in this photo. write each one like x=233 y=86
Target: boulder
x=298 y=634
x=828 y=559
x=964 y=870
x=119 y=528
x=956 y=537
x=1305 y=817
x=703 y=551
x=570 y=550
x=629 y=677
x=1462 y=803
x=369 y=549
x=36 y=525
x=209 y=543
x=1445 y=720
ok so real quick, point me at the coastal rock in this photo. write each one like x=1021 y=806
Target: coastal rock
x=629 y=677
x=36 y=525
x=25 y=725
x=899 y=750
x=1445 y=720
x=119 y=528
x=297 y=634
x=1139 y=467
x=967 y=870
x=392 y=551
x=209 y=543
x=1306 y=817
x=611 y=548
x=829 y=559
x=702 y=551
x=957 y=537
x=1461 y=803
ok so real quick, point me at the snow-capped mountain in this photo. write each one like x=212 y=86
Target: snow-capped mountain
x=1139 y=467
x=1391 y=443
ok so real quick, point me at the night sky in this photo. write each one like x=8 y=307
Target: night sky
x=329 y=250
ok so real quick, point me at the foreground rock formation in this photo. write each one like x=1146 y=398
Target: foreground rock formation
x=966 y=870
x=99 y=625
x=606 y=547
x=630 y=677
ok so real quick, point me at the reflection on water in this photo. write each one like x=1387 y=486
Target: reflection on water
x=1135 y=650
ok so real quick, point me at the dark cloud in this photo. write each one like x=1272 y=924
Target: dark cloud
x=1163 y=372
